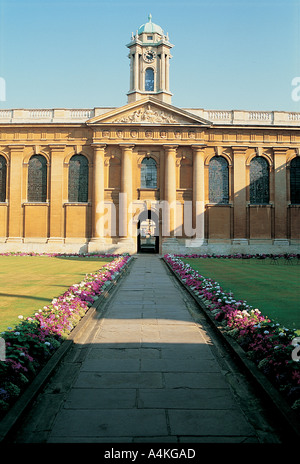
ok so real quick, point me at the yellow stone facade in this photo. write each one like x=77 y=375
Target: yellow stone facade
x=181 y=143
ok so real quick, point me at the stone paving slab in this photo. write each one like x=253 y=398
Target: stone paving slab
x=94 y=398
x=146 y=371
x=186 y=398
x=193 y=380
x=208 y=422
x=123 y=353
x=179 y=365
x=110 y=422
x=119 y=380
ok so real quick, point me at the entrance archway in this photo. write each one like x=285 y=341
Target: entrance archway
x=148 y=232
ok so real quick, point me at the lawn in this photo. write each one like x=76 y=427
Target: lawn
x=30 y=282
x=272 y=288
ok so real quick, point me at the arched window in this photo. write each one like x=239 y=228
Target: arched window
x=259 y=181
x=37 y=179
x=218 y=180
x=295 y=180
x=149 y=80
x=3 y=170
x=78 y=179
x=148 y=173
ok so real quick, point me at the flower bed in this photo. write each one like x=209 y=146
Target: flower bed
x=265 y=342
x=286 y=256
x=34 y=340
x=61 y=255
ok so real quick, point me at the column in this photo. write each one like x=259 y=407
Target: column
x=131 y=84
x=125 y=198
x=198 y=191
x=280 y=200
x=136 y=70
x=163 y=71
x=167 y=76
x=56 y=193
x=98 y=193
x=15 y=215
x=169 y=216
x=239 y=196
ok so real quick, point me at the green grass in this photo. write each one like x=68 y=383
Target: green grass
x=29 y=283
x=272 y=288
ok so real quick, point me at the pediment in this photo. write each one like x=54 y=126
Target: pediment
x=148 y=111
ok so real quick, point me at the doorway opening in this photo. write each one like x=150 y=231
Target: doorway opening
x=148 y=233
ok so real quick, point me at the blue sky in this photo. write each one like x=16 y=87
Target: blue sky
x=227 y=54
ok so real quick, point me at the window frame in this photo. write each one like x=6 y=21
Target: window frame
x=295 y=195
x=152 y=80
x=3 y=180
x=153 y=165
x=266 y=176
x=77 y=194
x=225 y=193
x=32 y=196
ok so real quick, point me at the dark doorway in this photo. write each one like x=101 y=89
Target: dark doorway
x=148 y=233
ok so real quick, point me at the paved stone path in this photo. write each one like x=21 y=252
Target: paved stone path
x=147 y=372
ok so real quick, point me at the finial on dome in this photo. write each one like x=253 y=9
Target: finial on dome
x=150 y=17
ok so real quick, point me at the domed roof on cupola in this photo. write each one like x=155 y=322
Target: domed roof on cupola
x=150 y=27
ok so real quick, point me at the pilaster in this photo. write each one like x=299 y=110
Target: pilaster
x=126 y=189
x=280 y=199
x=98 y=193
x=170 y=191
x=198 y=190
x=15 y=215
x=239 y=194
x=56 y=220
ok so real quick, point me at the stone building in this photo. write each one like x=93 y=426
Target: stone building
x=149 y=174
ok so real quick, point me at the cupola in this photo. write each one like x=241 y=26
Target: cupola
x=149 y=63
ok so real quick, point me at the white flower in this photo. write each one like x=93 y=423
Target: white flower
x=266 y=332
x=20 y=317
x=22 y=354
x=47 y=343
x=17 y=333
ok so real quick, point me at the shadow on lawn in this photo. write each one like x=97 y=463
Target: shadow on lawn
x=23 y=296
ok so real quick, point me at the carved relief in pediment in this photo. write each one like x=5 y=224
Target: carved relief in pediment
x=148 y=115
